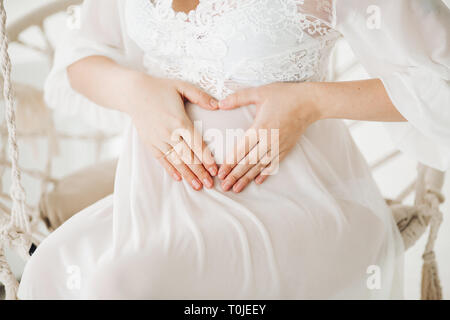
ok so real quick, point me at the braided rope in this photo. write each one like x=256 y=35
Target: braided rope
x=12 y=233
x=19 y=218
x=413 y=222
x=431 y=288
x=428 y=197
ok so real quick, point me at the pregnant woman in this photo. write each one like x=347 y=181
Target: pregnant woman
x=305 y=219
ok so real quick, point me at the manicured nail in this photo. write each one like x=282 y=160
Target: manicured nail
x=238 y=187
x=259 y=180
x=222 y=103
x=196 y=184
x=213 y=103
x=208 y=182
x=213 y=171
x=226 y=185
x=222 y=174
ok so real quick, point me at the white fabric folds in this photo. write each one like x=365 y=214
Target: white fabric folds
x=406 y=43
x=100 y=33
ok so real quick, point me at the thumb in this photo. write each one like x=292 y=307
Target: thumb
x=197 y=96
x=240 y=98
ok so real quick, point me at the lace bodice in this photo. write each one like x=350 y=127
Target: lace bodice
x=223 y=45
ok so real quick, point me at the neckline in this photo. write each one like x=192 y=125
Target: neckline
x=184 y=16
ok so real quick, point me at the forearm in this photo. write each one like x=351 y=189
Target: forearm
x=103 y=81
x=357 y=100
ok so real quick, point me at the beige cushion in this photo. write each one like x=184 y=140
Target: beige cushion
x=76 y=192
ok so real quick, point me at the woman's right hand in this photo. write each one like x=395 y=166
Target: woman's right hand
x=157 y=109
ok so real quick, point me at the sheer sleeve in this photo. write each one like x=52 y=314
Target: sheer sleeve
x=101 y=32
x=319 y=9
x=406 y=43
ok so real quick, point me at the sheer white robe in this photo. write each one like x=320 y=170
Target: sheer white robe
x=310 y=231
x=410 y=52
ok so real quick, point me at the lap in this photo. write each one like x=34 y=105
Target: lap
x=70 y=251
x=228 y=263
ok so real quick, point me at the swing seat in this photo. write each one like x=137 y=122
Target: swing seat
x=77 y=191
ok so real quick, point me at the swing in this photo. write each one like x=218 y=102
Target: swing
x=17 y=233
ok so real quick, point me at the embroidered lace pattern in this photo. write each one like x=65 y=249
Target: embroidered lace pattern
x=224 y=45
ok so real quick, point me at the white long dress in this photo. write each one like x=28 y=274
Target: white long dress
x=313 y=230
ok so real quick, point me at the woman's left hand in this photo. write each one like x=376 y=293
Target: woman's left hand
x=284 y=111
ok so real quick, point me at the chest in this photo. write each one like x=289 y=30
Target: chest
x=185 y=6
x=224 y=45
x=220 y=28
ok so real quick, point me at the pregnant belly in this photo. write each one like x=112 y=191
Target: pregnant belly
x=221 y=128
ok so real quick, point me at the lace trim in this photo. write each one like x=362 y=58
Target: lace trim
x=194 y=46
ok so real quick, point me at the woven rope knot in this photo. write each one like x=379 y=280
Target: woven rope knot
x=433 y=198
x=4 y=235
x=9 y=234
x=438 y=194
x=18 y=193
x=429 y=257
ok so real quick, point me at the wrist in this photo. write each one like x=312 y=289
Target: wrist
x=134 y=79
x=312 y=94
x=135 y=86
x=319 y=101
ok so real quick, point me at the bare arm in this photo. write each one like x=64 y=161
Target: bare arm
x=356 y=100
x=103 y=81
x=291 y=108
x=156 y=107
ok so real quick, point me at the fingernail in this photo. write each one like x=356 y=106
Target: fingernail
x=176 y=177
x=226 y=185
x=222 y=103
x=213 y=103
x=196 y=184
x=259 y=180
x=213 y=171
x=238 y=187
x=222 y=174
x=208 y=182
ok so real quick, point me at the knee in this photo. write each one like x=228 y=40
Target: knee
x=150 y=276
x=39 y=279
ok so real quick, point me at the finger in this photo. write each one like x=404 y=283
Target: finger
x=170 y=169
x=243 y=182
x=239 y=152
x=184 y=170
x=261 y=178
x=271 y=169
x=197 y=96
x=236 y=174
x=188 y=157
x=246 y=164
x=166 y=164
x=195 y=142
x=240 y=98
